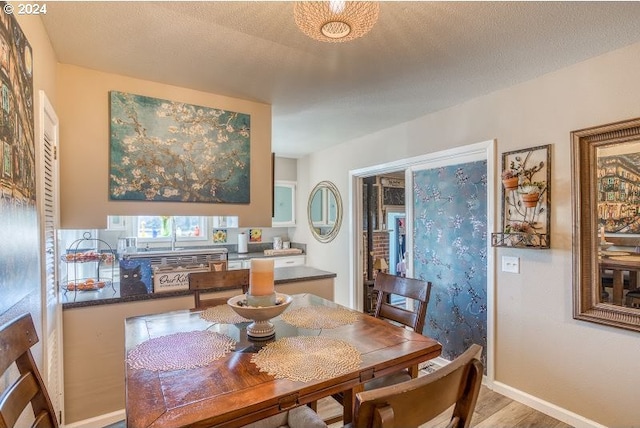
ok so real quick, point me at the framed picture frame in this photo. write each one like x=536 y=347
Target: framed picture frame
x=154 y=154
x=605 y=167
x=526 y=201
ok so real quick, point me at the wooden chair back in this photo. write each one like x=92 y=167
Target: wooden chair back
x=417 y=401
x=16 y=339
x=216 y=281
x=415 y=289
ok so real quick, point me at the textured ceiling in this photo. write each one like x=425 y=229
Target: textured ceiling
x=420 y=57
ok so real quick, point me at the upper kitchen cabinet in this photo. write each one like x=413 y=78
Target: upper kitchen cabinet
x=284 y=204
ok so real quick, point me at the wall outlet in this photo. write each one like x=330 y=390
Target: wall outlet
x=511 y=264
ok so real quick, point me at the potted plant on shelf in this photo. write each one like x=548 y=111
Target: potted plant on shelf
x=521 y=233
x=530 y=193
x=510 y=179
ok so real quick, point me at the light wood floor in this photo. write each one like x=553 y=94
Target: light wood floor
x=493 y=410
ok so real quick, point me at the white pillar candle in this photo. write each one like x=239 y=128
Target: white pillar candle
x=261 y=277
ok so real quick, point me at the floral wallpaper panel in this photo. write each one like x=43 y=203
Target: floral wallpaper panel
x=450 y=250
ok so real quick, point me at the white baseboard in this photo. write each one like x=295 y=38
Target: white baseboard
x=438 y=361
x=99 y=421
x=545 y=407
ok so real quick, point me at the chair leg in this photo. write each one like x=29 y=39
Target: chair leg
x=414 y=371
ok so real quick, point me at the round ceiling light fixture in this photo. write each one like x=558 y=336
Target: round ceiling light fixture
x=335 y=21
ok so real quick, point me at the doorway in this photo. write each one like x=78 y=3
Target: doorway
x=383 y=242
x=481 y=151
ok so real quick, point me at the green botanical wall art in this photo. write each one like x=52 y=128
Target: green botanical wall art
x=170 y=151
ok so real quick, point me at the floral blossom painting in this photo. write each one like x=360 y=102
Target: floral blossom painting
x=170 y=151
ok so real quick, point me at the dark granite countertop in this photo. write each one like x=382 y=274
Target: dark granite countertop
x=110 y=295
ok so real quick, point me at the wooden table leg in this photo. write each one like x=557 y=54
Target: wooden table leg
x=349 y=403
x=618 y=286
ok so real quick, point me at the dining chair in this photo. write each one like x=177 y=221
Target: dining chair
x=200 y=282
x=632 y=299
x=417 y=401
x=16 y=339
x=386 y=285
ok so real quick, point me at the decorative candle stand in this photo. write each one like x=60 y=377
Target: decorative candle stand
x=261 y=302
x=261 y=327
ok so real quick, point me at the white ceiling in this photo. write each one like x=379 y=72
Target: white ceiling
x=420 y=57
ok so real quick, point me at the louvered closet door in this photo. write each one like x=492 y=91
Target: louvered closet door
x=49 y=215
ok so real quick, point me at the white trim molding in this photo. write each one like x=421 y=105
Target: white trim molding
x=100 y=421
x=545 y=407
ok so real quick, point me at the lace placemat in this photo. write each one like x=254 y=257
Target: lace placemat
x=185 y=350
x=306 y=358
x=317 y=317
x=222 y=314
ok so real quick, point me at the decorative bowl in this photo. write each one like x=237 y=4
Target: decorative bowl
x=260 y=327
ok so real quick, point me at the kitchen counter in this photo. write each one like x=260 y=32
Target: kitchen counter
x=93 y=336
x=106 y=296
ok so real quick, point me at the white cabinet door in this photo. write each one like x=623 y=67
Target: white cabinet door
x=278 y=262
x=234 y=265
x=289 y=261
x=284 y=204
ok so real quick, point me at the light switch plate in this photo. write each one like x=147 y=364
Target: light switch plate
x=511 y=264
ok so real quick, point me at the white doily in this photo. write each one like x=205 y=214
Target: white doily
x=222 y=314
x=179 y=351
x=305 y=358
x=317 y=317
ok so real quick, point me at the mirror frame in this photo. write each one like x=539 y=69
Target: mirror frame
x=586 y=272
x=336 y=225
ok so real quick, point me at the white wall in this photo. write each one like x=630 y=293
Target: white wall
x=285 y=169
x=583 y=368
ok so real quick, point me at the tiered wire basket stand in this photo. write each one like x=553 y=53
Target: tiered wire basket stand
x=84 y=259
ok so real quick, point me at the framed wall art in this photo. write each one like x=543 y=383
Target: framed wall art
x=526 y=178
x=171 y=151
x=606 y=200
x=19 y=261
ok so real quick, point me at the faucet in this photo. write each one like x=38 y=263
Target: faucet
x=173 y=233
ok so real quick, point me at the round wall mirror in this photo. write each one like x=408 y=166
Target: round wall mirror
x=324 y=211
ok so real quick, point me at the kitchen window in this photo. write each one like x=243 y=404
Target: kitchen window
x=166 y=228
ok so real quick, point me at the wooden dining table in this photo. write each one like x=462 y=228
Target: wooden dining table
x=618 y=265
x=231 y=391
